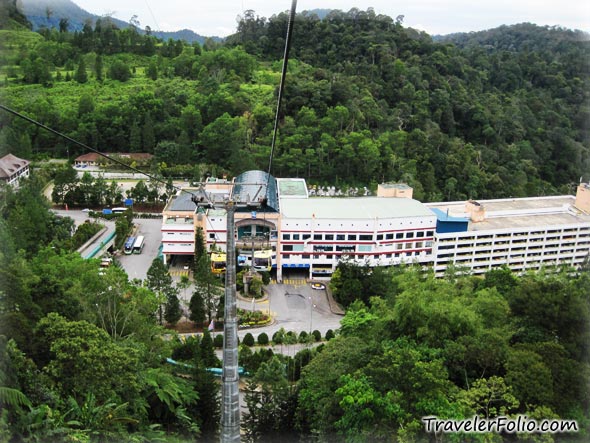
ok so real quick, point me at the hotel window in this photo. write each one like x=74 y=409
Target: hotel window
x=340 y=237
x=389 y=237
x=352 y=237
x=287 y=248
x=429 y=233
x=420 y=234
x=286 y=236
x=306 y=236
x=329 y=236
x=379 y=237
x=410 y=235
x=399 y=235
x=365 y=237
x=295 y=236
x=317 y=236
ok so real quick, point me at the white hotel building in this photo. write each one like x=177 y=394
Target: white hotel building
x=310 y=235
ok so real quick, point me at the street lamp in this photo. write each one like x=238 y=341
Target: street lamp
x=311 y=308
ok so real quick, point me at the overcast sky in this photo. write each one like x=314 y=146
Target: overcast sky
x=218 y=17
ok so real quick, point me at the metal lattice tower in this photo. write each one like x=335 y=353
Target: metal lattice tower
x=230 y=391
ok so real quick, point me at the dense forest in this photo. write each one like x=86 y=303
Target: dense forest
x=83 y=352
x=483 y=115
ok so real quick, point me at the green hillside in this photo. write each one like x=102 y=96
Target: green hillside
x=366 y=101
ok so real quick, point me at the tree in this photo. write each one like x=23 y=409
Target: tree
x=64 y=24
x=270 y=412
x=152 y=70
x=160 y=281
x=172 y=312
x=83 y=356
x=98 y=68
x=205 y=281
x=119 y=70
x=197 y=308
x=80 y=75
x=207 y=352
x=64 y=183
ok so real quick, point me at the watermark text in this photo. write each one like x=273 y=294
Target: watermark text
x=510 y=425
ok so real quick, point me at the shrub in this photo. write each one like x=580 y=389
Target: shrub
x=263 y=339
x=317 y=335
x=290 y=338
x=265 y=277
x=330 y=334
x=218 y=341
x=278 y=337
x=303 y=337
x=248 y=339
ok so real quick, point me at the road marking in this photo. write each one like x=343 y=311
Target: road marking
x=179 y=273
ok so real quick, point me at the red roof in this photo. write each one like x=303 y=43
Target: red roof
x=93 y=156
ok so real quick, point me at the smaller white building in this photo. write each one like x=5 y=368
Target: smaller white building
x=12 y=169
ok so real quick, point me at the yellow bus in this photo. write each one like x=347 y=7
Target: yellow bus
x=218 y=262
x=263 y=260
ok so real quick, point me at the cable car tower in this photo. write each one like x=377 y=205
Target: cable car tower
x=230 y=394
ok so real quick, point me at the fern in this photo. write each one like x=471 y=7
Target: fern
x=13 y=397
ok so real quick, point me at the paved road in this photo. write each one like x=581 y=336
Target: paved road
x=295 y=306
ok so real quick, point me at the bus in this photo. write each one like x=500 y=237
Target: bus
x=138 y=245
x=263 y=260
x=218 y=262
x=129 y=245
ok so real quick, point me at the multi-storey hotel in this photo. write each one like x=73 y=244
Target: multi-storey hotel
x=312 y=234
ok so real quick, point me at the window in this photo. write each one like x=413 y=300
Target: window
x=410 y=235
x=352 y=237
x=420 y=234
x=212 y=236
x=287 y=256
x=379 y=237
x=295 y=236
x=288 y=248
x=365 y=237
x=399 y=235
x=329 y=236
x=317 y=236
x=286 y=236
x=429 y=233
x=389 y=237
x=306 y=236
x=340 y=237
x=365 y=248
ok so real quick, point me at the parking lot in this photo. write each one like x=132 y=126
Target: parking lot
x=294 y=304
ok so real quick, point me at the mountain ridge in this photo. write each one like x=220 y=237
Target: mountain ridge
x=48 y=13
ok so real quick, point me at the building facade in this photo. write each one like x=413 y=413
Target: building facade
x=310 y=235
x=12 y=169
